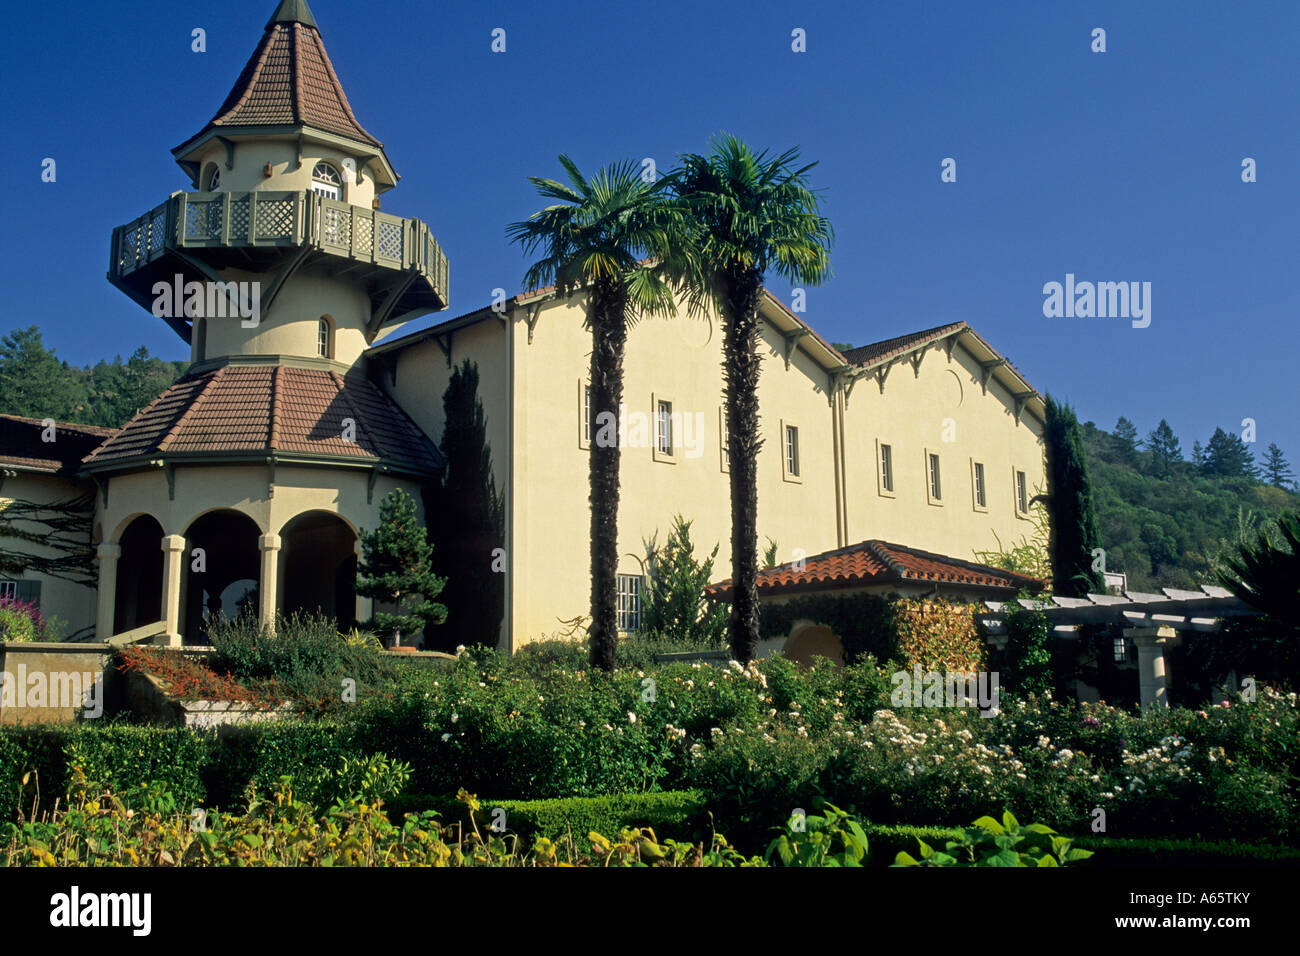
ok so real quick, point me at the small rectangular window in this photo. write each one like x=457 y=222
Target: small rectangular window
x=936 y=490
x=886 y=467
x=792 y=450
x=981 y=496
x=8 y=590
x=1022 y=493
x=1121 y=649
x=629 y=602
x=664 y=428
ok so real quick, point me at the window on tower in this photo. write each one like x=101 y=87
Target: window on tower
x=212 y=182
x=325 y=179
x=324 y=338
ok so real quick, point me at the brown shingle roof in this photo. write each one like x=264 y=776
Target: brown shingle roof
x=22 y=446
x=289 y=81
x=888 y=348
x=880 y=562
x=256 y=410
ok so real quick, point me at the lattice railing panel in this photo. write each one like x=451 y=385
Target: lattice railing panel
x=389 y=240
x=275 y=219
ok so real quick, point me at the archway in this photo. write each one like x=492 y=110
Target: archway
x=813 y=640
x=137 y=599
x=318 y=568
x=221 y=569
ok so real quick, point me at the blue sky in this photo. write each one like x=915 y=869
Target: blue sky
x=1115 y=166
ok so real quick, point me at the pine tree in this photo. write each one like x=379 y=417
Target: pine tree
x=1277 y=470
x=395 y=569
x=1198 y=457
x=1226 y=456
x=1126 y=438
x=1074 y=524
x=469 y=528
x=1165 y=449
x=33 y=381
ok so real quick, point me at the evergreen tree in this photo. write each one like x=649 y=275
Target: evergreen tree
x=1165 y=449
x=395 y=569
x=1198 y=457
x=33 y=382
x=673 y=604
x=1074 y=524
x=1227 y=456
x=469 y=526
x=1277 y=470
x=1126 y=439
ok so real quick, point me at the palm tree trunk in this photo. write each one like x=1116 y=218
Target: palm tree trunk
x=742 y=365
x=608 y=341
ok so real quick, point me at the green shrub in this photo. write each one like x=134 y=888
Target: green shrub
x=679 y=814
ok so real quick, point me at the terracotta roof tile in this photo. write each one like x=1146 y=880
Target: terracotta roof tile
x=290 y=81
x=880 y=562
x=22 y=446
x=259 y=409
x=888 y=348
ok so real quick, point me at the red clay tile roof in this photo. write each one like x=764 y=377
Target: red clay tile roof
x=259 y=409
x=888 y=348
x=22 y=447
x=289 y=81
x=880 y=562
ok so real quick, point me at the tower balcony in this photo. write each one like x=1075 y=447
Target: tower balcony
x=280 y=233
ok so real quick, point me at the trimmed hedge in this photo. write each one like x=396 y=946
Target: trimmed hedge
x=680 y=814
x=1111 y=852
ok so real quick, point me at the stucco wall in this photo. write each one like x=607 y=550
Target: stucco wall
x=942 y=410
x=73 y=604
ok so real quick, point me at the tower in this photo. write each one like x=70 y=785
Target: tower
x=259 y=467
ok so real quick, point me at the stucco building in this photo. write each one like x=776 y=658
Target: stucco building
x=307 y=402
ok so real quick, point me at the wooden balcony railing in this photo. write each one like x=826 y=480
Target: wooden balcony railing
x=278 y=218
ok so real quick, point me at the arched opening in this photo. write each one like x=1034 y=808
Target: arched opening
x=211 y=178
x=221 y=569
x=137 y=601
x=326 y=181
x=813 y=640
x=319 y=567
x=325 y=337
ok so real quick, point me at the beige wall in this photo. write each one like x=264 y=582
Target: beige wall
x=677 y=360
x=251 y=157
x=943 y=410
x=73 y=604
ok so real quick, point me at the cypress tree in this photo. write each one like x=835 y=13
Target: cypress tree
x=466 y=521
x=1074 y=523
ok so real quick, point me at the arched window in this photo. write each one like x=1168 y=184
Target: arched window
x=212 y=178
x=325 y=179
x=324 y=338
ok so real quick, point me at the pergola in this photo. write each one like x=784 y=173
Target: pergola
x=1151 y=621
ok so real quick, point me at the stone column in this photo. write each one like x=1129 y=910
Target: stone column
x=365 y=605
x=107 y=593
x=173 y=546
x=267 y=589
x=1150 y=643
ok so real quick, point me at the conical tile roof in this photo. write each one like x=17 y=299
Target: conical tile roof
x=290 y=81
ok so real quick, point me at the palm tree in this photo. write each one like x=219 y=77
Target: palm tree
x=615 y=237
x=750 y=214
